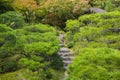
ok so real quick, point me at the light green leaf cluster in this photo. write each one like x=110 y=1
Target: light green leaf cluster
x=95 y=64
x=96 y=45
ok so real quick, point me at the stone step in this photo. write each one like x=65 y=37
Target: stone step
x=61 y=45
x=65 y=67
x=66 y=55
x=61 y=42
x=61 y=52
x=67 y=62
x=64 y=50
x=68 y=58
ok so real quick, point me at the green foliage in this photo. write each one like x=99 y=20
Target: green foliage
x=8 y=66
x=30 y=64
x=112 y=5
x=4 y=28
x=95 y=44
x=109 y=5
x=32 y=47
x=56 y=62
x=12 y=19
x=88 y=34
x=72 y=25
x=95 y=64
x=28 y=74
x=97 y=31
x=7 y=38
x=6 y=5
x=27 y=8
x=57 y=12
x=20 y=74
x=42 y=48
x=39 y=28
x=95 y=28
x=70 y=44
x=8 y=58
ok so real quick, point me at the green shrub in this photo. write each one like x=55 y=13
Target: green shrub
x=20 y=74
x=36 y=47
x=70 y=44
x=39 y=28
x=30 y=64
x=72 y=25
x=96 y=29
x=6 y=5
x=57 y=12
x=8 y=66
x=4 y=28
x=95 y=64
x=95 y=44
x=109 y=5
x=8 y=39
x=88 y=33
x=56 y=62
x=106 y=20
x=12 y=19
x=42 y=48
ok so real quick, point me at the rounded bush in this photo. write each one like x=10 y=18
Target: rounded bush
x=95 y=64
x=12 y=19
x=8 y=66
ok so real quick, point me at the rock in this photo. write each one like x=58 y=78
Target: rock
x=97 y=10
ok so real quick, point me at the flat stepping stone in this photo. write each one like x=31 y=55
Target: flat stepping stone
x=67 y=58
x=66 y=54
x=65 y=67
x=97 y=10
x=71 y=57
x=67 y=62
x=61 y=45
x=64 y=50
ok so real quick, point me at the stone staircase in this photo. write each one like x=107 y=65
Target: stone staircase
x=65 y=53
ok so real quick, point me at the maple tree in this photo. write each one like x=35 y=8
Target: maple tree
x=28 y=8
